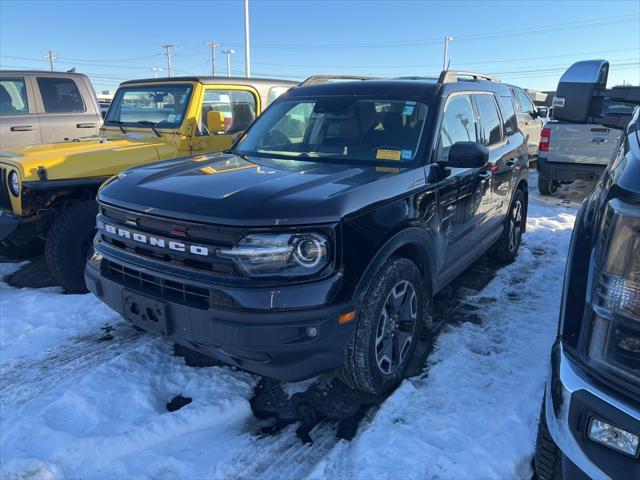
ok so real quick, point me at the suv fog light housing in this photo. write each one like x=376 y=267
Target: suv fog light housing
x=613 y=437
x=14 y=183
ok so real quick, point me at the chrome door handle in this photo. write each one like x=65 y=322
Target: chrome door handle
x=22 y=128
x=85 y=125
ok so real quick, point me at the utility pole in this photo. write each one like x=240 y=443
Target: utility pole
x=445 y=60
x=155 y=71
x=247 y=53
x=228 y=53
x=52 y=59
x=213 y=46
x=169 y=46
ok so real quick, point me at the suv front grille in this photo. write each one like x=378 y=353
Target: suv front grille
x=5 y=200
x=211 y=236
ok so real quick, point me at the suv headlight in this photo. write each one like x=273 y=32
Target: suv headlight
x=283 y=254
x=614 y=343
x=13 y=181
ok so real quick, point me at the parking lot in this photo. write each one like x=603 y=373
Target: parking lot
x=84 y=395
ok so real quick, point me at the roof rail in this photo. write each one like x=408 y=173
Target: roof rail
x=317 y=79
x=450 y=76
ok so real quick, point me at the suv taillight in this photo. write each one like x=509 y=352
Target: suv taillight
x=545 y=137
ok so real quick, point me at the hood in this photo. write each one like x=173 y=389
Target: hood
x=90 y=157
x=255 y=191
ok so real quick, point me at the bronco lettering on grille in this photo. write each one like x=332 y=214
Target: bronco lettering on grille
x=156 y=241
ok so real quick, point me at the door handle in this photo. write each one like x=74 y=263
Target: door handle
x=22 y=128
x=511 y=162
x=484 y=175
x=85 y=125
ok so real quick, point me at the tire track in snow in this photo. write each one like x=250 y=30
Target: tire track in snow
x=25 y=379
x=281 y=456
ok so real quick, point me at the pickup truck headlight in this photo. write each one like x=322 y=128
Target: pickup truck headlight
x=614 y=343
x=14 y=183
x=283 y=254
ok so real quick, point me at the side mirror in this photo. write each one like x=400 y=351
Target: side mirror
x=543 y=112
x=467 y=155
x=577 y=88
x=215 y=121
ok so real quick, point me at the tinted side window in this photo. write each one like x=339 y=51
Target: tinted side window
x=458 y=124
x=489 y=120
x=60 y=95
x=238 y=107
x=526 y=105
x=13 y=96
x=510 y=123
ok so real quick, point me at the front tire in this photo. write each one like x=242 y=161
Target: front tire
x=547 y=461
x=546 y=186
x=506 y=248
x=389 y=327
x=68 y=243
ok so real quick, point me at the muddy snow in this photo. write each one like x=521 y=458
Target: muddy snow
x=83 y=395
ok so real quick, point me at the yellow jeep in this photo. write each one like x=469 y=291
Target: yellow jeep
x=47 y=191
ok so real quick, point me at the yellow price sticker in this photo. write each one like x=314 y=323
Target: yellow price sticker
x=383 y=154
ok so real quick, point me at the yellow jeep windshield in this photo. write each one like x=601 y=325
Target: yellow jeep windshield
x=162 y=106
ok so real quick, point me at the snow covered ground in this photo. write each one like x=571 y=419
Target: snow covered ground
x=82 y=395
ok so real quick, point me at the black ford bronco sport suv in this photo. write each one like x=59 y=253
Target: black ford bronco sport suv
x=319 y=239
x=590 y=421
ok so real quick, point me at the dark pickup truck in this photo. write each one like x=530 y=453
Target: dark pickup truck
x=318 y=240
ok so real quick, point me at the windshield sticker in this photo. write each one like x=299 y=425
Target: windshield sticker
x=406 y=154
x=408 y=108
x=384 y=154
x=171 y=118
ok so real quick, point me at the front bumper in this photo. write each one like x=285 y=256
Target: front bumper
x=571 y=401
x=8 y=224
x=288 y=344
x=568 y=172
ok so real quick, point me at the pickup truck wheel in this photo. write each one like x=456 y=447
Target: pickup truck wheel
x=547 y=186
x=506 y=248
x=388 y=329
x=18 y=251
x=68 y=244
x=547 y=461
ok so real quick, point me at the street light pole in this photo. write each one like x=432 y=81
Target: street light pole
x=445 y=60
x=247 y=54
x=169 y=66
x=228 y=53
x=213 y=46
x=155 y=71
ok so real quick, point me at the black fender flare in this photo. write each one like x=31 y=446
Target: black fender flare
x=417 y=237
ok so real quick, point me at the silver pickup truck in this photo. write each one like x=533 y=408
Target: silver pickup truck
x=571 y=151
x=45 y=107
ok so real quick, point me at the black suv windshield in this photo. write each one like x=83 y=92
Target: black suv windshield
x=162 y=106
x=349 y=129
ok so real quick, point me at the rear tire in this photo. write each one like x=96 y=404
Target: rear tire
x=547 y=462
x=506 y=248
x=388 y=329
x=547 y=186
x=68 y=244
x=19 y=251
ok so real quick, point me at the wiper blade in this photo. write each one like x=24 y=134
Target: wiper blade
x=119 y=124
x=152 y=125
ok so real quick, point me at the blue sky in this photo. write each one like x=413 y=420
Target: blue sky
x=526 y=43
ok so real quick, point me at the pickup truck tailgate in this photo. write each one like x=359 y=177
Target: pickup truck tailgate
x=580 y=143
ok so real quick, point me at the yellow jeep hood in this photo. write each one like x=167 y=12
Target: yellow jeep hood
x=94 y=157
